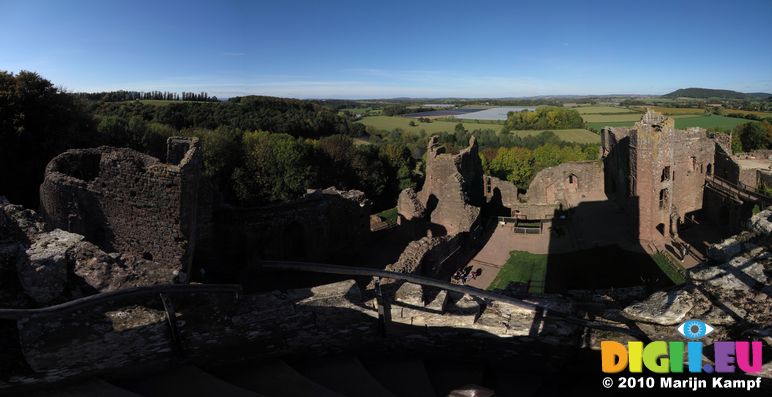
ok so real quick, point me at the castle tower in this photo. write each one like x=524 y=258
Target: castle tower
x=666 y=174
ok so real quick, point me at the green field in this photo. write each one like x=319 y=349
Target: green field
x=669 y=111
x=359 y=110
x=602 y=110
x=599 y=125
x=522 y=267
x=389 y=123
x=709 y=122
x=681 y=122
x=597 y=118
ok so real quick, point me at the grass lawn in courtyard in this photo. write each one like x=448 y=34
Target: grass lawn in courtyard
x=522 y=267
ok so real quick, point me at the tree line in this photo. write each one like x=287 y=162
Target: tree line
x=258 y=150
x=122 y=96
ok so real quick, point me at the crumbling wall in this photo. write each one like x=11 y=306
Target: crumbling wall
x=409 y=205
x=724 y=166
x=125 y=201
x=426 y=255
x=500 y=190
x=40 y=267
x=323 y=225
x=567 y=184
x=666 y=170
x=453 y=189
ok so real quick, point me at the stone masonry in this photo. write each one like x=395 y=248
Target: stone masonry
x=323 y=225
x=125 y=201
x=567 y=184
x=657 y=172
x=453 y=190
x=43 y=267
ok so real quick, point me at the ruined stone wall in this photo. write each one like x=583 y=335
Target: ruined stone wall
x=665 y=173
x=324 y=225
x=535 y=211
x=724 y=166
x=765 y=178
x=498 y=189
x=567 y=184
x=43 y=267
x=426 y=255
x=749 y=177
x=453 y=189
x=128 y=202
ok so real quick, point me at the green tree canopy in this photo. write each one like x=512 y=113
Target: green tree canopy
x=277 y=167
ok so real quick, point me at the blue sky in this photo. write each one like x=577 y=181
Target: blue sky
x=369 y=49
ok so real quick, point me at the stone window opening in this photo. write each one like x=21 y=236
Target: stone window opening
x=147 y=256
x=573 y=182
x=661 y=229
x=709 y=169
x=692 y=163
x=664 y=197
x=665 y=174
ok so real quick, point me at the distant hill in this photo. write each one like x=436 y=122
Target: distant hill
x=705 y=93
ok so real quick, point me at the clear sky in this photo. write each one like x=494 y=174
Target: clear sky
x=380 y=49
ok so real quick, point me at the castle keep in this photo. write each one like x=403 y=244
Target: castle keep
x=657 y=173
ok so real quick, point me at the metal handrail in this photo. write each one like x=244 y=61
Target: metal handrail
x=15 y=314
x=421 y=280
x=154 y=290
x=738 y=186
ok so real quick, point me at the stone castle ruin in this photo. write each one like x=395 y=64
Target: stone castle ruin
x=113 y=219
x=125 y=201
x=657 y=173
x=452 y=194
x=451 y=202
x=662 y=177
